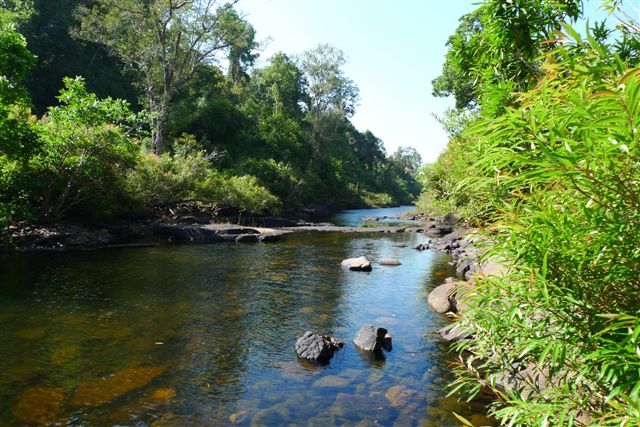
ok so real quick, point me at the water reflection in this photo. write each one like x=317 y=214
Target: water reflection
x=204 y=335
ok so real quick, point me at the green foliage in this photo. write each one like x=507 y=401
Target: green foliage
x=495 y=51
x=18 y=140
x=187 y=176
x=59 y=55
x=560 y=172
x=87 y=146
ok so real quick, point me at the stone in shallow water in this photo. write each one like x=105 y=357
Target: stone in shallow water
x=98 y=391
x=39 y=405
x=389 y=261
x=399 y=395
x=369 y=338
x=164 y=394
x=357 y=264
x=331 y=381
x=317 y=348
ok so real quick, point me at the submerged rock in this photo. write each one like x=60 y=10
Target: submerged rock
x=389 y=261
x=39 y=405
x=331 y=381
x=357 y=264
x=98 y=391
x=370 y=338
x=317 y=348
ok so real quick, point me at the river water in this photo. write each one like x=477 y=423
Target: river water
x=204 y=335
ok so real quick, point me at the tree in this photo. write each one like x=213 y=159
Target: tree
x=328 y=87
x=60 y=55
x=496 y=50
x=166 y=42
x=88 y=144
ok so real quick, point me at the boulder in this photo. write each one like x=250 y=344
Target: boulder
x=370 y=338
x=389 y=261
x=439 y=231
x=440 y=298
x=357 y=264
x=464 y=290
x=317 y=348
x=451 y=219
x=247 y=238
x=453 y=332
x=419 y=247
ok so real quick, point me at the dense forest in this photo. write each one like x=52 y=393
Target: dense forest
x=543 y=156
x=121 y=108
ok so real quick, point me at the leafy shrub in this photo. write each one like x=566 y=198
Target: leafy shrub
x=187 y=176
x=87 y=145
x=567 y=160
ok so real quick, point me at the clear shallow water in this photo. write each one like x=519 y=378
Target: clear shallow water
x=204 y=334
x=353 y=217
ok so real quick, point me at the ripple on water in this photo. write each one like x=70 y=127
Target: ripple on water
x=203 y=335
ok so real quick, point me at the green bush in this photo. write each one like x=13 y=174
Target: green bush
x=87 y=146
x=567 y=160
x=188 y=176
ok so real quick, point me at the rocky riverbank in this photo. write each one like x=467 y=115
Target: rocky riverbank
x=25 y=236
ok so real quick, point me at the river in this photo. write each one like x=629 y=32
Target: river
x=204 y=335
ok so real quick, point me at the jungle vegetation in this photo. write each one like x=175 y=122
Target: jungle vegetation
x=543 y=156
x=109 y=108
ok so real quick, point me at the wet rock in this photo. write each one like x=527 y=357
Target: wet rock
x=317 y=348
x=269 y=238
x=31 y=333
x=389 y=261
x=39 y=405
x=419 y=247
x=440 y=298
x=247 y=238
x=163 y=394
x=185 y=233
x=98 y=391
x=239 y=417
x=399 y=395
x=453 y=332
x=357 y=264
x=331 y=381
x=369 y=338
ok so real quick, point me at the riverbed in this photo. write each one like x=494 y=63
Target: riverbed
x=204 y=335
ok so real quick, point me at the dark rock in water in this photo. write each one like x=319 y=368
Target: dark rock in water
x=268 y=238
x=419 y=247
x=317 y=348
x=177 y=233
x=357 y=264
x=386 y=342
x=389 y=261
x=370 y=338
x=247 y=238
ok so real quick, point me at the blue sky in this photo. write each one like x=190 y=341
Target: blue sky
x=394 y=48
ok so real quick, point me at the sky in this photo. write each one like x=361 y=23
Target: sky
x=395 y=48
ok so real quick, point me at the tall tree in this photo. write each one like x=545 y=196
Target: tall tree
x=496 y=50
x=59 y=55
x=165 y=42
x=329 y=88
